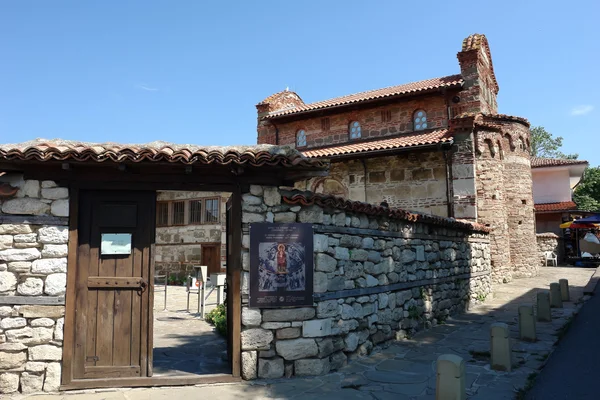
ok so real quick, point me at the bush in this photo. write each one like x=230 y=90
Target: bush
x=218 y=318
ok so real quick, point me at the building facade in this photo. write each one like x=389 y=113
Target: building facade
x=436 y=146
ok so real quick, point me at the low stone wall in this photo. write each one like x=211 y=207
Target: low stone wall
x=33 y=266
x=378 y=276
x=547 y=242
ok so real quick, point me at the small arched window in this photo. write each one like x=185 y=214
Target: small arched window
x=354 y=130
x=420 y=120
x=301 y=138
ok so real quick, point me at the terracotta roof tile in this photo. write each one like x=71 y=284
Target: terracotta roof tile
x=328 y=201
x=435 y=83
x=65 y=150
x=538 y=162
x=413 y=139
x=562 y=206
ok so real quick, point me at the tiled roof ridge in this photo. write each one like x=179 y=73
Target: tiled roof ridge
x=329 y=201
x=480 y=117
x=541 y=162
x=63 y=150
x=555 y=206
x=412 y=139
x=418 y=86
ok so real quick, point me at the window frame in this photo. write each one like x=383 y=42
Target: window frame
x=350 y=130
x=218 y=201
x=414 y=117
x=172 y=207
x=305 y=140
x=189 y=207
x=170 y=204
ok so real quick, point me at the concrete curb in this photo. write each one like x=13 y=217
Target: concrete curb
x=591 y=286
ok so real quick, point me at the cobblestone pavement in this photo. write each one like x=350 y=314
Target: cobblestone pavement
x=406 y=369
x=184 y=343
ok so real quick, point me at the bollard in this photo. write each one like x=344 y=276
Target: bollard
x=500 y=347
x=564 y=289
x=527 y=324
x=555 y=298
x=450 y=380
x=543 y=307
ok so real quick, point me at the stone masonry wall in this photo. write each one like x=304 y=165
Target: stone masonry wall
x=413 y=181
x=375 y=279
x=33 y=265
x=547 y=242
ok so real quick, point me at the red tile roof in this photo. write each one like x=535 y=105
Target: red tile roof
x=562 y=206
x=65 y=150
x=538 y=162
x=414 y=87
x=409 y=140
x=328 y=201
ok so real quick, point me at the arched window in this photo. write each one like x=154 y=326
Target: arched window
x=420 y=120
x=301 y=138
x=354 y=130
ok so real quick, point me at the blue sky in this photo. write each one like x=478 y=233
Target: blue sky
x=192 y=71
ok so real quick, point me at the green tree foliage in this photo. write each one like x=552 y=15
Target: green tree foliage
x=587 y=193
x=544 y=145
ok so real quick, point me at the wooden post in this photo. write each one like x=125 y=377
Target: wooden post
x=543 y=307
x=555 y=297
x=564 y=289
x=527 y=324
x=450 y=380
x=500 y=347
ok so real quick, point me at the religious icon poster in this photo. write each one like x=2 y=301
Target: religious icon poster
x=281 y=265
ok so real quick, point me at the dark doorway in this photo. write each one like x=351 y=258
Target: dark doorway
x=211 y=258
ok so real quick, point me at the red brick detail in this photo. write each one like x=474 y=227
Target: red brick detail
x=556 y=207
x=537 y=162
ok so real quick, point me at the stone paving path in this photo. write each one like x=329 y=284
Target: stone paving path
x=406 y=369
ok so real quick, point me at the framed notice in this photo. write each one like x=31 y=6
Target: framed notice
x=281 y=265
x=115 y=243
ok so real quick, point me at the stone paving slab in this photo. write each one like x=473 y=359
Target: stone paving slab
x=406 y=369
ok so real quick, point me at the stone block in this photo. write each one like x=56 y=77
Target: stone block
x=296 y=349
x=13 y=323
x=8 y=281
x=285 y=217
x=53 y=235
x=249 y=365
x=500 y=348
x=42 y=311
x=14 y=360
x=48 y=184
x=312 y=215
x=251 y=317
x=35 y=366
x=543 y=307
x=342 y=253
x=20 y=335
x=359 y=255
x=14 y=229
x=9 y=382
x=251 y=200
x=5 y=311
x=49 y=265
x=372 y=281
x=270 y=368
x=55 y=193
x=31 y=383
x=288 y=333
x=21 y=267
x=336 y=283
x=351 y=342
x=288 y=314
x=312 y=367
x=527 y=324
x=337 y=360
x=320 y=243
x=58 y=329
x=52 y=381
x=450 y=378
x=25 y=238
x=19 y=254
x=55 y=251
x=13 y=347
x=317 y=328
x=31 y=287
x=325 y=263
x=248 y=217
x=275 y=325
x=60 y=208
x=25 y=206
x=320 y=282
x=256 y=339
x=6 y=242
x=564 y=289
x=39 y=335
x=328 y=308
x=271 y=196
x=464 y=187
x=45 y=352
x=555 y=296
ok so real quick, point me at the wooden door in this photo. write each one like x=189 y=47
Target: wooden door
x=113 y=314
x=211 y=258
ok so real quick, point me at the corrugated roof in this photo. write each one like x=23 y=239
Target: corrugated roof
x=414 y=87
x=328 y=201
x=561 y=206
x=66 y=150
x=409 y=140
x=538 y=162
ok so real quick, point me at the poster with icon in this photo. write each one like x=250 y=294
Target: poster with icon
x=281 y=265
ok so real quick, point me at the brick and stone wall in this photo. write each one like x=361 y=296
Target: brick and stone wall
x=33 y=266
x=376 y=278
x=548 y=242
x=413 y=181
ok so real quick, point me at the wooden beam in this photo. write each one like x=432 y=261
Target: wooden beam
x=236 y=265
x=34 y=220
x=21 y=300
x=115 y=282
x=149 y=382
x=394 y=286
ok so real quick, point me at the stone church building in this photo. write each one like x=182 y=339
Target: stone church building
x=437 y=146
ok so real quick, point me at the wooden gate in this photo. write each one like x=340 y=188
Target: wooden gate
x=113 y=311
